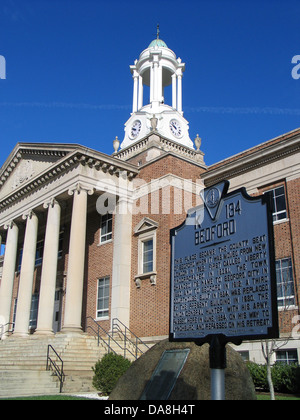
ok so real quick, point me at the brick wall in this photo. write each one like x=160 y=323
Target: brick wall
x=99 y=262
x=150 y=304
x=287 y=243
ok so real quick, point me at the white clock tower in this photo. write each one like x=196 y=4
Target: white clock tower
x=157 y=68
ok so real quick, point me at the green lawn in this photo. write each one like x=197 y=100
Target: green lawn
x=279 y=397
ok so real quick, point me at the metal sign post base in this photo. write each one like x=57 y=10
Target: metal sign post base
x=217 y=384
x=217 y=358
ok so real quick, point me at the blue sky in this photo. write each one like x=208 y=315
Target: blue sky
x=68 y=77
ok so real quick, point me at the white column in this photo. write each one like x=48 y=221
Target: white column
x=8 y=274
x=135 y=91
x=141 y=93
x=151 y=83
x=156 y=87
x=121 y=274
x=174 y=91
x=159 y=82
x=49 y=270
x=26 y=276
x=75 y=274
x=179 y=94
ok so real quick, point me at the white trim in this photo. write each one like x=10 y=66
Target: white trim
x=106 y=234
x=105 y=317
x=145 y=225
x=144 y=237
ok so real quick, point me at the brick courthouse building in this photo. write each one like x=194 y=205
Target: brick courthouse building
x=86 y=235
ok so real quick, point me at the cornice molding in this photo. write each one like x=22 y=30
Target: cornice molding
x=10 y=164
x=163 y=143
x=100 y=162
x=239 y=165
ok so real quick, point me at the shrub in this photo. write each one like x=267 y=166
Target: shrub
x=259 y=376
x=108 y=371
x=286 y=378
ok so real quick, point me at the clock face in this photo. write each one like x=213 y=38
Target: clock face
x=135 y=129
x=175 y=128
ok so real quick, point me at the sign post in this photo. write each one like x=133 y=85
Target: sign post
x=223 y=280
x=217 y=360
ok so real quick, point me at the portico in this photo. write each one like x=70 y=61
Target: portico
x=58 y=190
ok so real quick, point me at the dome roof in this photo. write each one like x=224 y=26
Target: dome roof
x=158 y=43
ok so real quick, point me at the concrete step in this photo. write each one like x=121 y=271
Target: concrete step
x=24 y=383
x=23 y=363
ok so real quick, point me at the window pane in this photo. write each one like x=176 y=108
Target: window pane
x=285 y=283
x=103 y=298
x=148 y=256
x=106 y=228
x=287 y=356
x=148 y=245
x=279 y=202
x=278 y=191
x=34 y=311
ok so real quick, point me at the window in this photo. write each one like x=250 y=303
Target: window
x=103 y=298
x=39 y=253
x=287 y=357
x=106 y=228
x=15 y=313
x=2 y=250
x=279 y=203
x=146 y=231
x=245 y=355
x=20 y=259
x=148 y=256
x=61 y=244
x=34 y=311
x=285 y=283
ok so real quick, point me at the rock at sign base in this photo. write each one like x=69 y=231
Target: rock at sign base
x=194 y=380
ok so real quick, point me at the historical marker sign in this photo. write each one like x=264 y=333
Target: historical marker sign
x=223 y=269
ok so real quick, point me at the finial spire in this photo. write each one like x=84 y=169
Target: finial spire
x=158 y=31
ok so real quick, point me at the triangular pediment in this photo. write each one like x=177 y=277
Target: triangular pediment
x=28 y=161
x=145 y=225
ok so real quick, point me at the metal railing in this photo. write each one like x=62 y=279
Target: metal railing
x=128 y=336
x=128 y=346
x=97 y=329
x=52 y=364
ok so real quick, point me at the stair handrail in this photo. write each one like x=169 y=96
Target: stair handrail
x=110 y=338
x=116 y=326
x=97 y=333
x=59 y=372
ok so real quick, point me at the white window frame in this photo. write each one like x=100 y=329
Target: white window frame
x=288 y=358
x=106 y=237
x=146 y=231
x=143 y=238
x=103 y=314
x=276 y=214
x=282 y=300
